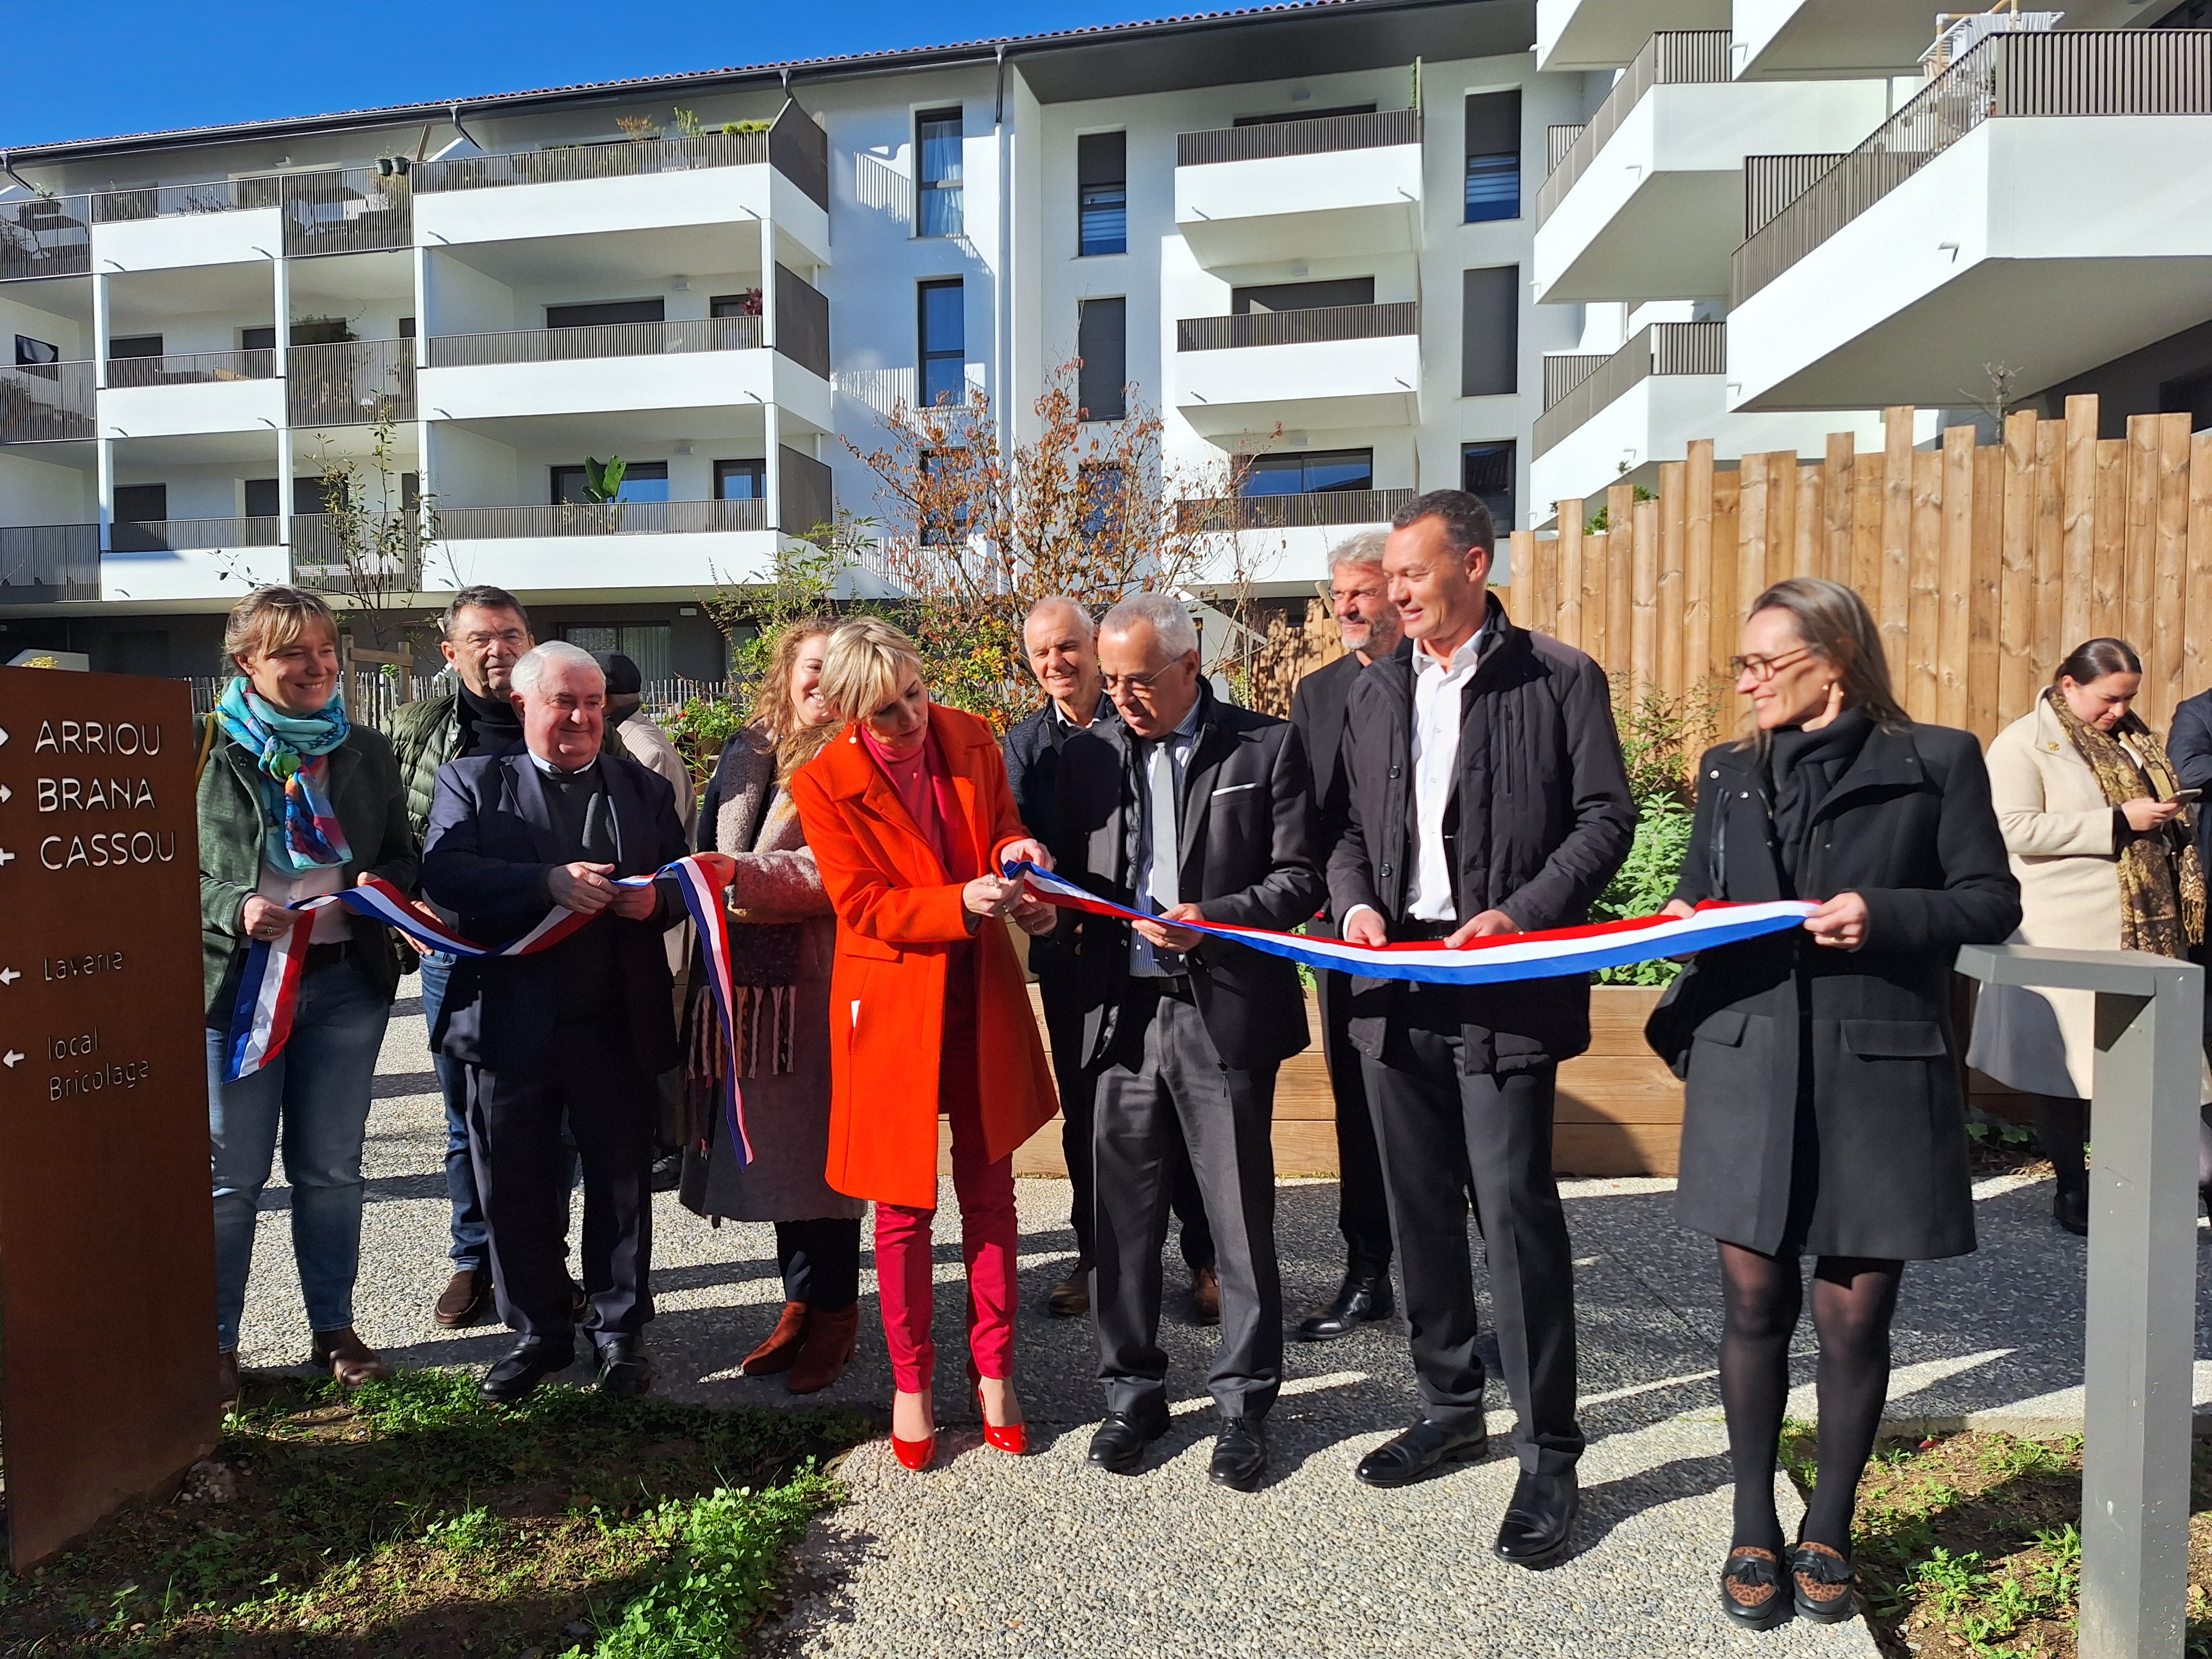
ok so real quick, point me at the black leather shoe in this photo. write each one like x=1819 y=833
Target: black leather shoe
x=1423 y=1448
x=1540 y=1522
x=2069 y=1206
x=1820 y=1585
x=667 y=1172
x=527 y=1365
x=625 y=1371
x=1240 y=1455
x=1118 y=1445
x=1752 y=1593
x=1364 y=1294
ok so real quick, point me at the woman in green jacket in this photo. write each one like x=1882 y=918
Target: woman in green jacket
x=295 y=801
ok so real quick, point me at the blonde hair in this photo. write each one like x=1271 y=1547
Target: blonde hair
x=270 y=618
x=867 y=664
x=1835 y=625
x=776 y=728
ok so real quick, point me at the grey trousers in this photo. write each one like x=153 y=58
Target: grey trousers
x=1165 y=1076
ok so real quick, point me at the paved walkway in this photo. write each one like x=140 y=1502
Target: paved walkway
x=1045 y=1556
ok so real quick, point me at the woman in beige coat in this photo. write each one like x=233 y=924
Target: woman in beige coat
x=2106 y=862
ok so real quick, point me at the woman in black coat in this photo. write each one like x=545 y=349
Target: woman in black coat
x=1823 y=1114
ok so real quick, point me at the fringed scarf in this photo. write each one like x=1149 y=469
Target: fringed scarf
x=2161 y=880
x=293 y=752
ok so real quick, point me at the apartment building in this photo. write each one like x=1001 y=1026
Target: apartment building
x=1777 y=217
x=1306 y=234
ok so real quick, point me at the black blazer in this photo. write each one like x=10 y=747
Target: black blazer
x=2189 y=746
x=1539 y=819
x=489 y=847
x=1247 y=858
x=1858 y=1148
x=1317 y=711
x=1032 y=753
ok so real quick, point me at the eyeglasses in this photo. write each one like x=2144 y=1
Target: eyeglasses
x=1137 y=685
x=1762 y=669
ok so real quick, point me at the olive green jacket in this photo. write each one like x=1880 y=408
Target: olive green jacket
x=364 y=792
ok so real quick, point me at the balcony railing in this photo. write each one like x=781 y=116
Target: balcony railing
x=48 y=236
x=1266 y=139
x=2078 y=72
x=1322 y=507
x=1770 y=183
x=45 y=402
x=1567 y=371
x=1671 y=57
x=1266 y=328
x=349 y=383
x=42 y=563
x=318 y=555
x=176 y=535
x=1657 y=348
x=466 y=524
x=561 y=345
x=1558 y=141
x=354 y=210
x=170 y=201
x=191 y=368
x=786 y=146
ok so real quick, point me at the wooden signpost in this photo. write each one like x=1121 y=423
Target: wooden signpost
x=107 y=1377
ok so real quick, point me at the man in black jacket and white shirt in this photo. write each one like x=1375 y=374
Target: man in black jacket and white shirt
x=1486 y=796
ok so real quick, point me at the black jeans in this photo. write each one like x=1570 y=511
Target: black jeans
x=1363 y=1209
x=820 y=1261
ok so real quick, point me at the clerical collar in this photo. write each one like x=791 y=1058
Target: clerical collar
x=556 y=774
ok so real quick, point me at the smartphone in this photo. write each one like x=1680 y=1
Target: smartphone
x=2186 y=797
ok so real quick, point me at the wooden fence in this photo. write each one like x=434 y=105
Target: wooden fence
x=1984 y=564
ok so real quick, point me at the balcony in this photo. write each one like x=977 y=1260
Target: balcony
x=1319 y=509
x=2006 y=215
x=704 y=363
x=49 y=563
x=1646 y=201
x=193 y=535
x=636 y=185
x=351 y=211
x=46 y=403
x=161 y=227
x=48 y=236
x=1286 y=190
x=349 y=383
x=185 y=393
x=1808 y=40
x=680 y=546
x=1603 y=35
x=1335 y=366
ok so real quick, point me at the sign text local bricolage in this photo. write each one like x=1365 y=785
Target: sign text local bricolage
x=108 y=1379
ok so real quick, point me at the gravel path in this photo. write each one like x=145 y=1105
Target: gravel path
x=1045 y=1556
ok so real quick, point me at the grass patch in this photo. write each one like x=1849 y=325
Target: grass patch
x=1968 y=1548
x=408 y=1519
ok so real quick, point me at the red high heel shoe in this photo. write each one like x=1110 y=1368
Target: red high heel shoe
x=1014 y=1438
x=915 y=1454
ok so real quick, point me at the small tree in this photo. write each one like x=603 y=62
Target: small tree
x=368 y=553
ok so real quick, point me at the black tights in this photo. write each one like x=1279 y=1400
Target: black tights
x=1853 y=1300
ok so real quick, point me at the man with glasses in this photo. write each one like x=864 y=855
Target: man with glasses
x=1185 y=809
x=1485 y=795
x=1366 y=621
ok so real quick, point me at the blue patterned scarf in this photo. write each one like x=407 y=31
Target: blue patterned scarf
x=292 y=751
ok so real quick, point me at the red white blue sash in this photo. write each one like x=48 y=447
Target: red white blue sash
x=261 y=1021
x=1551 y=954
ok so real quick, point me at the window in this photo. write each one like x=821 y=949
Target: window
x=740 y=481
x=1303 y=115
x=747 y=304
x=134 y=345
x=944 y=339
x=1302 y=296
x=945 y=504
x=937 y=172
x=604 y=312
x=263 y=500
x=316 y=495
x=261 y=339
x=642 y=481
x=649 y=645
x=30 y=353
x=1099 y=497
x=1102 y=341
x=1493 y=155
x=1311 y=473
x=1490 y=331
x=1486 y=472
x=406 y=328
x=142 y=503
x=1102 y=193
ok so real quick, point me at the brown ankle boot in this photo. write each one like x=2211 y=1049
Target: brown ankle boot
x=830 y=1341
x=782 y=1345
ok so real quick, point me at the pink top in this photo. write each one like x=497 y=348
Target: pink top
x=923 y=783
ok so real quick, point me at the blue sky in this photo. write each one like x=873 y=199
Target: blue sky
x=106 y=67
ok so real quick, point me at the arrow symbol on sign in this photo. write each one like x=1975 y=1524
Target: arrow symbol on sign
x=9 y=976
x=12 y=1059
x=6 y=793
x=3 y=737
x=6 y=857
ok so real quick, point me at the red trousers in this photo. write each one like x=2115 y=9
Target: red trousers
x=988 y=1235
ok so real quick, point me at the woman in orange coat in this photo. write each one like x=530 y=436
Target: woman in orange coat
x=910 y=818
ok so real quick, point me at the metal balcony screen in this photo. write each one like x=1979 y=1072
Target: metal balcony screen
x=169 y=201
x=355 y=210
x=1770 y=183
x=169 y=535
x=798 y=148
x=349 y=384
x=566 y=163
x=461 y=524
x=1564 y=372
x=52 y=561
x=1321 y=508
x=1558 y=141
x=1373 y=130
x=802 y=322
x=804 y=485
x=555 y=345
x=41 y=402
x=1671 y=57
x=1657 y=348
x=2082 y=72
x=191 y=368
x=1265 y=328
x=50 y=236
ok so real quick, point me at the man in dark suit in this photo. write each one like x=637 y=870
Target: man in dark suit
x=1368 y=623
x=582 y=1028
x=1063 y=653
x=1485 y=795
x=1187 y=809
x=2189 y=746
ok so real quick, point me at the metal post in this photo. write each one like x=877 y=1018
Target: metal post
x=2142 y=1322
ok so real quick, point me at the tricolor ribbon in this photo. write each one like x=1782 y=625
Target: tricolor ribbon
x=1551 y=954
x=261 y=1021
